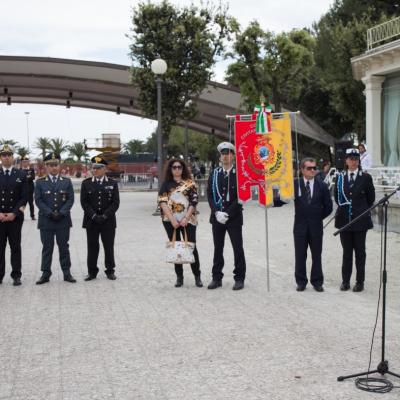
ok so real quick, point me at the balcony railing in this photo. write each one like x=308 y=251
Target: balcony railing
x=380 y=33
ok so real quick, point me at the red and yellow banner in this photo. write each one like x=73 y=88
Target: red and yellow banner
x=264 y=160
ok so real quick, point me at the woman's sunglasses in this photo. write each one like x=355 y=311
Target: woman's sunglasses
x=177 y=167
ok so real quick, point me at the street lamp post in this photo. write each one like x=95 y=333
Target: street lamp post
x=186 y=155
x=27 y=127
x=159 y=68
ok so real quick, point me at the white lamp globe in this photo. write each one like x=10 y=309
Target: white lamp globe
x=159 y=66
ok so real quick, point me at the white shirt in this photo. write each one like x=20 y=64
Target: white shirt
x=311 y=185
x=355 y=172
x=9 y=169
x=366 y=161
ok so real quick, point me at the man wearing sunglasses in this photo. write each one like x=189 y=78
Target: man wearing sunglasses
x=226 y=216
x=312 y=203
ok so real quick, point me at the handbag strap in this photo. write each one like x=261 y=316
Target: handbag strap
x=185 y=237
x=174 y=237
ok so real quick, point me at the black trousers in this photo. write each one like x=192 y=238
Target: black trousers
x=11 y=231
x=191 y=233
x=62 y=237
x=235 y=235
x=302 y=241
x=353 y=241
x=31 y=205
x=107 y=235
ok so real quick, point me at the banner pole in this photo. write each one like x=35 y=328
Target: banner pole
x=250 y=115
x=266 y=246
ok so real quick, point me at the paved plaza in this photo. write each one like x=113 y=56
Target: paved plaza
x=140 y=338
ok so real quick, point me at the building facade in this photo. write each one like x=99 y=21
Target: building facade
x=379 y=69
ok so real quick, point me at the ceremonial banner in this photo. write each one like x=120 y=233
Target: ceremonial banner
x=264 y=160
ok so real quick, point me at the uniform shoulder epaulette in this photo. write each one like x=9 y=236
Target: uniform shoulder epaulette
x=42 y=178
x=87 y=179
x=65 y=177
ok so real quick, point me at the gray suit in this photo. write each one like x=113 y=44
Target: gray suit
x=51 y=199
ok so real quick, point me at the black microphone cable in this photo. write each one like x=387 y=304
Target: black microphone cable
x=368 y=384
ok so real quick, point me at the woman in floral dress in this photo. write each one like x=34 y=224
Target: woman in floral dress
x=177 y=199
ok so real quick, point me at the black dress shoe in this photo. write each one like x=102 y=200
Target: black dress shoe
x=358 y=287
x=214 y=284
x=319 y=288
x=301 y=288
x=198 y=281
x=179 y=282
x=238 y=285
x=43 y=279
x=17 y=282
x=111 y=277
x=69 y=278
x=90 y=277
x=33 y=218
x=344 y=286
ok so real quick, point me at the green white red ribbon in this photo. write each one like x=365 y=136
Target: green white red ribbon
x=263 y=119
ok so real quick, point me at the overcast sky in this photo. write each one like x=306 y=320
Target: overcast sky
x=96 y=30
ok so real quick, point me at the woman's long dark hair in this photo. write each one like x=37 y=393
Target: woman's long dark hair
x=168 y=177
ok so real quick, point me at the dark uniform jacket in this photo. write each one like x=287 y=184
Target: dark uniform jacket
x=51 y=197
x=30 y=178
x=311 y=215
x=218 y=199
x=13 y=191
x=362 y=196
x=99 y=199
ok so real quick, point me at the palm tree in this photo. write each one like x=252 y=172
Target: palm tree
x=8 y=141
x=58 y=146
x=43 y=144
x=77 y=150
x=22 y=152
x=133 y=146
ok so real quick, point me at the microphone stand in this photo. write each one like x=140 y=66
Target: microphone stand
x=383 y=366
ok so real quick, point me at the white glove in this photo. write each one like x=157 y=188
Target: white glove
x=221 y=217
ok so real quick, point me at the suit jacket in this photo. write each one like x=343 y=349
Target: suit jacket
x=50 y=197
x=218 y=199
x=99 y=199
x=310 y=216
x=14 y=192
x=362 y=196
x=30 y=178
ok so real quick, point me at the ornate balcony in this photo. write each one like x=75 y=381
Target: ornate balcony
x=382 y=33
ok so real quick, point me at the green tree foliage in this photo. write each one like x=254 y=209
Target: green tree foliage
x=77 y=150
x=58 y=146
x=272 y=65
x=134 y=146
x=200 y=145
x=11 y=142
x=22 y=152
x=189 y=39
x=338 y=101
x=43 y=144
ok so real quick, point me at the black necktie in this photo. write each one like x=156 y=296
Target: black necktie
x=351 y=180
x=54 y=179
x=7 y=172
x=308 y=192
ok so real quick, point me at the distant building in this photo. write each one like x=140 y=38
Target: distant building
x=379 y=70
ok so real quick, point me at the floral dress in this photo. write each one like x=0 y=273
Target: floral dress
x=179 y=196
